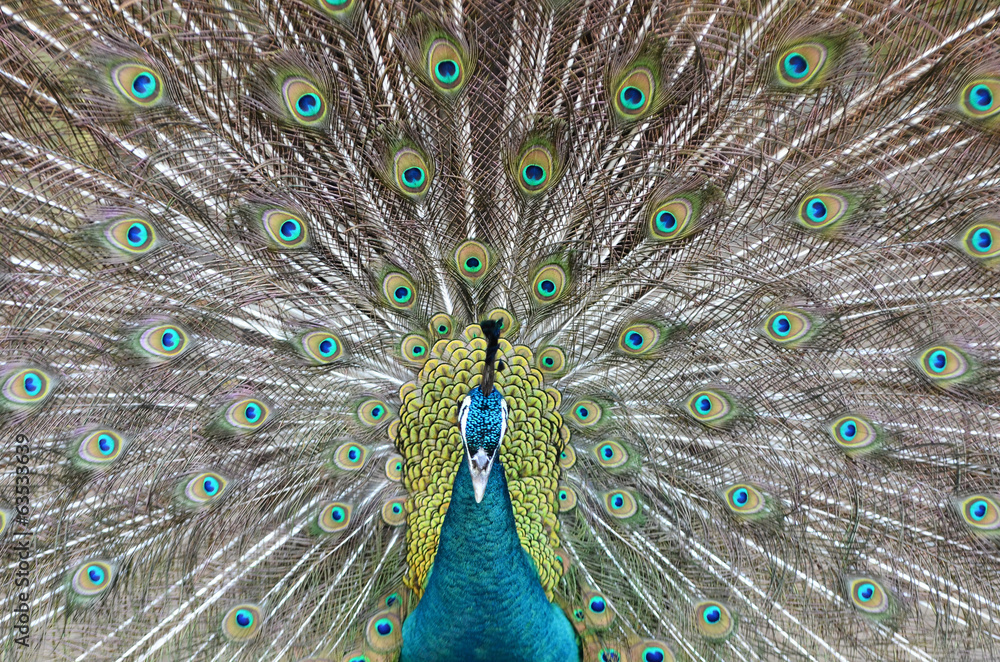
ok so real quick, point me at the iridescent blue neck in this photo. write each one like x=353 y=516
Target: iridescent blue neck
x=483 y=599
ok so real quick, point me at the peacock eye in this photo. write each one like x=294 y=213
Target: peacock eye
x=394 y=512
x=981 y=241
x=350 y=456
x=566 y=497
x=980 y=512
x=635 y=94
x=284 y=229
x=710 y=407
x=586 y=413
x=100 y=447
x=534 y=170
x=399 y=290
x=549 y=284
x=713 y=620
x=373 y=412
x=943 y=365
x=744 y=500
x=28 y=386
x=415 y=348
x=133 y=236
x=801 y=65
x=242 y=622
x=822 y=211
x=671 y=219
x=868 y=595
x=787 y=327
x=383 y=633
x=247 y=414
x=138 y=84
x=979 y=98
x=164 y=341
x=304 y=101
x=620 y=504
x=204 y=488
x=321 y=347
x=91 y=578
x=412 y=172
x=472 y=260
x=333 y=517
x=639 y=339
x=444 y=65
x=611 y=454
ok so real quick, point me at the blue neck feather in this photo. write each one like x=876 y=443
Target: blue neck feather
x=483 y=599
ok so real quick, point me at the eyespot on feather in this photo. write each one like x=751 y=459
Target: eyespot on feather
x=26 y=387
x=944 y=365
x=131 y=236
x=801 y=65
x=713 y=620
x=334 y=517
x=710 y=407
x=304 y=101
x=394 y=468
x=980 y=513
x=350 y=456
x=412 y=172
x=138 y=84
x=868 y=595
x=247 y=414
x=284 y=229
x=164 y=341
x=823 y=211
x=92 y=578
x=472 y=259
x=242 y=622
x=373 y=412
x=566 y=498
x=979 y=99
x=383 y=632
x=671 y=219
x=394 y=512
x=415 y=349
x=399 y=290
x=855 y=435
x=99 y=448
x=321 y=346
x=787 y=327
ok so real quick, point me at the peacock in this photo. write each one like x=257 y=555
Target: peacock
x=514 y=330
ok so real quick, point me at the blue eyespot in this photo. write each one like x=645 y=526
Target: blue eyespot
x=327 y=347
x=337 y=514
x=634 y=340
x=666 y=222
x=982 y=239
x=252 y=413
x=978 y=510
x=384 y=627
x=546 y=287
x=981 y=97
x=704 y=404
x=563 y=495
x=796 y=66
x=582 y=412
x=169 y=339
x=848 y=430
x=376 y=413
x=210 y=486
x=632 y=97
x=96 y=574
x=106 y=444
x=137 y=234
x=290 y=230
x=309 y=104
x=244 y=618
x=446 y=71
x=938 y=361
x=653 y=655
x=816 y=210
x=781 y=326
x=533 y=174
x=32 y=384
x=865 y=592
x=413 y=177
x=741 y=496
x=144 y=85
x=712 y=615
x=607 y=451
x=597 y=605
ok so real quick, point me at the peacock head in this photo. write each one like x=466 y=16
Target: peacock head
x=482 y=418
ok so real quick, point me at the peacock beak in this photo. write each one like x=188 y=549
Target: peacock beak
x=480 y=465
